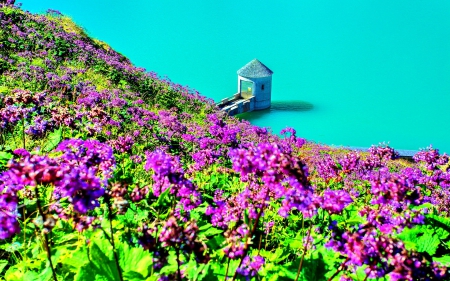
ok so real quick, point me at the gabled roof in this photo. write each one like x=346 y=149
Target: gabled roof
x=255 y=69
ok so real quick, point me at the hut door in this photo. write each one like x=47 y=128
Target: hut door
x=246 y=89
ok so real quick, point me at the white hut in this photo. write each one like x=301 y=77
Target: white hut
x=255 y=79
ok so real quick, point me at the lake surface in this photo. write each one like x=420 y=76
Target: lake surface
x=351 y=73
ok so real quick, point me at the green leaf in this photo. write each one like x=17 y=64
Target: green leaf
x=54 y=138
x=428 y=243
x=15 y=274
x=88 y=273
x=420 y=238
x=101 y=264
x=163 y=199
x=274 y=256
x=215 y=242
x=3 y=89
x=46 y=274
x=445 y=260
x=5 y=156
x=74 y=259
x=441 y=223
x=3 y=264
x=134 y=261
x=132 y=276
x=209 y=230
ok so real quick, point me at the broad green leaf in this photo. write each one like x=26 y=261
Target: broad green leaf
x=134 y=260
x=88 y=273
x=420 y=238
x=201 y=272
x=276 y=255
x=132 y=276
x=215 y=242
x=445 y=260
x=3 y=89
x=162 y=199
x=3 y=264
x=428 y=243
x=102 y=266
x=210 y=231
x=15 y=274
x=46 y=274
x=103 y=244
x=5 y=156
x=54 y=138
x=171 y=266
x=274 y=277
x=290 y=272
x=297 y=242
x=441 y=224
x=101 y=261
x=410 y=237
x=74 y=259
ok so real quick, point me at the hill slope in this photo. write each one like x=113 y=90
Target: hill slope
x=109 y=172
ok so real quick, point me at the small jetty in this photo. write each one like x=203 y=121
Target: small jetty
x=403 y=153
x=254 y=90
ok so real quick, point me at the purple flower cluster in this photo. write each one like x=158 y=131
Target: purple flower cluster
x=8 y=215
x=379 y=156
x=251 y=266
x=90 y=154
x=431 y=158
x=183 y=237
x=235 y=239
x=29 y=171
x=123 y=144
x=87 y=166
x=173 y=234
x=278 y=175
x=382 y=255
x=290 y=139
x=168 y=173
x=334 y=201
x=393 y=189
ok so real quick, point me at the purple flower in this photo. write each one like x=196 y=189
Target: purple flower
x=9 y=225
x=122 y=144
x=21 y=152
x=90 y=153
x=168 y=173
x=81 y=186
x=431 y=158
x=334 y=201
x=250 y=266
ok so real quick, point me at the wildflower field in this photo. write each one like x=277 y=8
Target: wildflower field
x=109 y=172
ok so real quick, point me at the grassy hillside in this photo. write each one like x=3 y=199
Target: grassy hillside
x=108 y=172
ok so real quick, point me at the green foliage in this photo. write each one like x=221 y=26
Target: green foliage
x=4 y=158
x=53 y=140
x=421 y=239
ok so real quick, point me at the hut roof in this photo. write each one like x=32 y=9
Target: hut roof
x=255 y=69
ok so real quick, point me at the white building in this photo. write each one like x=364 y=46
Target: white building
x=255 y=79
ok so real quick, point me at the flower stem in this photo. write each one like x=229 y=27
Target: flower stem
x=226 y=272
x=255 y=224
x=178 y=263
x=341 y=267
x=300 y=265
x=367 y=276
x=260 y=241
x=116 y=258
x=23 y=133
x=46 y=242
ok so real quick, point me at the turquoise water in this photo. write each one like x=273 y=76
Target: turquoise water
x=346 y=72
